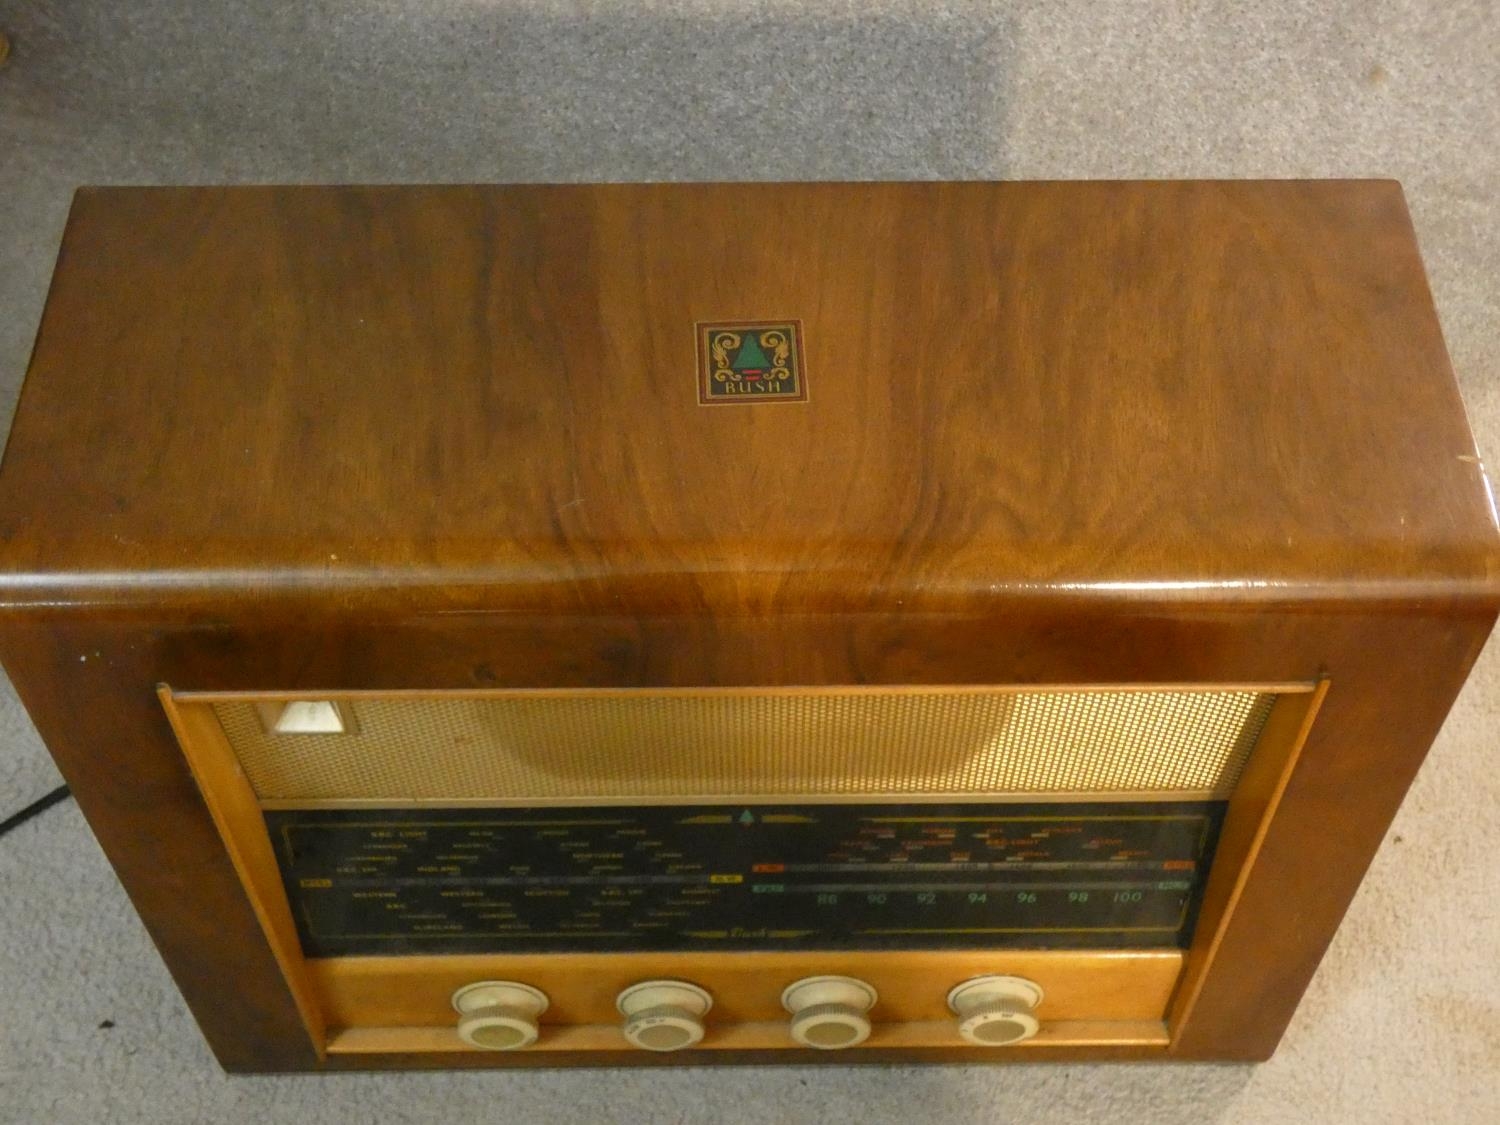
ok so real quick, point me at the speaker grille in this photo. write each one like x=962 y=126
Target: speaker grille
x=596 y=745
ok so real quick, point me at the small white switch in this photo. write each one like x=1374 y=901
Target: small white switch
x=304 y=716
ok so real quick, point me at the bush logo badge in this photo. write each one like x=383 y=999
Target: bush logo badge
x=750 y=361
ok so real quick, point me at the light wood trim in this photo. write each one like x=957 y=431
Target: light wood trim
x=746 y=986
x=232 y=804
x=1251 y=811
x=761 y=1036
x=1291 y=687
x=985 y=797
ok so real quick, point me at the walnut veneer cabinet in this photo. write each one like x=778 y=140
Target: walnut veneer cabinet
x=718 y=623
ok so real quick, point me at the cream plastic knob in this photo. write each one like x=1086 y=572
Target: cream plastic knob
x=498 y=1015
x=829 y=1012
x=663 y=1015
x=996 y=1010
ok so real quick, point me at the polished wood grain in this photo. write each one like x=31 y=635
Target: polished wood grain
x=485 y=398
x=427 y=439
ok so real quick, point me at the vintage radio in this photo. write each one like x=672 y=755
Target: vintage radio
x=607 y=624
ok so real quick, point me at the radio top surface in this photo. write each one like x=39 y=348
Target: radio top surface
x=741 y=398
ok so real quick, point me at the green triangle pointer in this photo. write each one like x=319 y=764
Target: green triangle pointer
x=750 y=357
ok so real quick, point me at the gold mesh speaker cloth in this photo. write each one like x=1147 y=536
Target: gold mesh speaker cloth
x=583 y=745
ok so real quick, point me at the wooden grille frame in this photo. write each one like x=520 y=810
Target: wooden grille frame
x=346 y=1006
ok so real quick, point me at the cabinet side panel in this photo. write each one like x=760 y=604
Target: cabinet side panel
x=1391 y=690
x=93 y=699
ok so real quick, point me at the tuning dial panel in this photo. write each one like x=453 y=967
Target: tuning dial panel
x=498 y=1015
x=828 y=1013
x=663 y=1015
x=726 y=878
x=994 y=1011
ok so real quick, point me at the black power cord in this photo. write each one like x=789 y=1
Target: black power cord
x=36 y=808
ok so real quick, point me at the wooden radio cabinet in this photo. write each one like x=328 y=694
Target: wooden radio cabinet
x=649 y=623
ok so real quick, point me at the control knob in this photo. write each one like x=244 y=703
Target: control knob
x=498 y=1015
x=663 y=1015
x=829 y=1012
x=993 y=1011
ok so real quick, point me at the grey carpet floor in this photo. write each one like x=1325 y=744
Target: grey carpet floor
x=1402 y=1023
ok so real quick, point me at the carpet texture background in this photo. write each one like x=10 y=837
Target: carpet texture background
x=1402 y=1022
